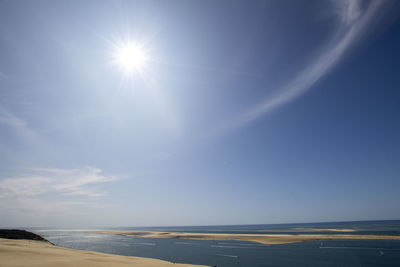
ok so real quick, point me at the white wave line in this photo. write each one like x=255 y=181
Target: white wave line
x=230 y=256
x=145 y=244
x=250 y=245
x=360 y=248
x=215 y=246
x=186 y=243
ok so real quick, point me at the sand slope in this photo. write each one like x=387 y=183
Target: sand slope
x=37 y=253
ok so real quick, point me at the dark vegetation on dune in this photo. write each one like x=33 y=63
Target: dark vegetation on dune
x=20 y=234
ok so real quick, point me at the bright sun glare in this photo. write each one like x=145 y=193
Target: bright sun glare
x=131 y=57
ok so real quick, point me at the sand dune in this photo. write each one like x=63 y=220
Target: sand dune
x=42 y=254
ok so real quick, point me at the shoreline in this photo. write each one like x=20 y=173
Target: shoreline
x=259 y=238
x=21 y=252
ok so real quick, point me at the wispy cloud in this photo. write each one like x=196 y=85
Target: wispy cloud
x=10 y=119
x=19 y=125
x=65 y=182
x=25 y=186
x=353 y=20
x=53 y=197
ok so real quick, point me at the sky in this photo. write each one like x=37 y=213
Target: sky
x=244 y=112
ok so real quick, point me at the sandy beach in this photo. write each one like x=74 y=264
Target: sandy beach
x=43 y=254
x=260 y=238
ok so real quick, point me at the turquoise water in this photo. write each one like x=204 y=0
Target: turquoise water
x=241 y=253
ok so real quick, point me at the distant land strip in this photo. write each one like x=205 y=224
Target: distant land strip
x=260 y=238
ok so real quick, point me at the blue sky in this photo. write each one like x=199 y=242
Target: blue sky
x=244 y=113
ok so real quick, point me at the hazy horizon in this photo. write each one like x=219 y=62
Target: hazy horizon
x=173 y=113
x=205 y=225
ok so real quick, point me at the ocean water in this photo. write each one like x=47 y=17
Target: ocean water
x=358 y=227
x=242 y=253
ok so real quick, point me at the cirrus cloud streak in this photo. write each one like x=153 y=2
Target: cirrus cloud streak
x=354 y=19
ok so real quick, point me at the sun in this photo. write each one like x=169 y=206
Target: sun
x=131 y=57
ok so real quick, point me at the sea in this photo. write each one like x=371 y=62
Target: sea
x=226 y=253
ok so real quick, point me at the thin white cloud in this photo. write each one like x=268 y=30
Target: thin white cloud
x=77 y=181
x=16 y=123
x=10 y=119
x=347 y=11
x=25 y=186
x=354 y=19
x=53 y=197
x=62 y=182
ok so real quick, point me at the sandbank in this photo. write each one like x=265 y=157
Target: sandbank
x=260 y=238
